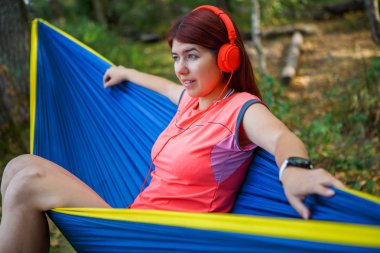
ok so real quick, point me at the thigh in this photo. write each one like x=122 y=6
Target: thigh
x=46 y=185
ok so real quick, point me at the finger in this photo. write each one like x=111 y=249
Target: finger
x=111 y=82
x=300 y=207
x=328 y=179
x=106 y=79
x=338 y=183
x=106 y=76
x=106 y=84
x=324 y=191
x=331 y=181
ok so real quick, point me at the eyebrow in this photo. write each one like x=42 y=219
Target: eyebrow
x=188 y=50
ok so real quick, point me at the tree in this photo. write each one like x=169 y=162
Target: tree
x=14 y=76
x=55 y=9
x=98 y=8
x=256 y=35
x=372 y=8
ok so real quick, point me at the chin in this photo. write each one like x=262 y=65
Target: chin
x=193 y=94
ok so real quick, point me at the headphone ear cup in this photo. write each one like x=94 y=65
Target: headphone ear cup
x=229 y=58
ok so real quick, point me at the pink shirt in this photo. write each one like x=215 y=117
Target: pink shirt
x=201 y=169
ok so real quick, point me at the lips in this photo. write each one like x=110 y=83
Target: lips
x=188 y=83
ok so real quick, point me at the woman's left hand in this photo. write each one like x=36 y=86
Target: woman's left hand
x=299 y=182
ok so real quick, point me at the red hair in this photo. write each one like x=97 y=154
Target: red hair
x=203 y=27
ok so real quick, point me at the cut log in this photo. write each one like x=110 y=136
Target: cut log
x=149 y=37
x=294 y=52
x=289 y=30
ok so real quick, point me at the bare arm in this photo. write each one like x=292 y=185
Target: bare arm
x=265 y=130
x=169 y=89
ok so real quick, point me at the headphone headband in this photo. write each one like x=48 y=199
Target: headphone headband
x=229 y=54
x=224 y=17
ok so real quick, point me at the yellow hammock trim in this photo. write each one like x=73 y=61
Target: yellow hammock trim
x=33 y=81
x=73 y=39
x=320 y=231
x=363 y=195
x=33 y=69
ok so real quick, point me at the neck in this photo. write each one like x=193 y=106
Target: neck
x=217 y=95
x=205 y=103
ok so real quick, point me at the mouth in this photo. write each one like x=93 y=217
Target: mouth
x=188 y=83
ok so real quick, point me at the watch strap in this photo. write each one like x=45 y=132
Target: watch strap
x=296 y=162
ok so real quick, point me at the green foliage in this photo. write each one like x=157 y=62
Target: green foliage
x=346 y=136
x=353 y=21
x=365 y=101
x=128 y=18
x=136 y=16
x=273 y=96
x=94 y=35
x=155 y=58
x=359 y=107
x=342 y=133
x=131 y=18
x=12 y=142
x=275 y=12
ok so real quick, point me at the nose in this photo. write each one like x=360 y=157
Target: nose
x=181 y=67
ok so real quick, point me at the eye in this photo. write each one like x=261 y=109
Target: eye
x=192 y=56
x=175 y=57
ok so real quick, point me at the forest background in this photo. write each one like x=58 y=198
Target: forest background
x=332 y=103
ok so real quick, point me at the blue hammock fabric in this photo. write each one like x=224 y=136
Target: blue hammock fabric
x=104 y=137
x=122 y=236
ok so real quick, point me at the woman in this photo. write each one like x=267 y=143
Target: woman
x=220 y=120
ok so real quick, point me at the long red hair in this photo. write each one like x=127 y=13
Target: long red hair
x=203 y=27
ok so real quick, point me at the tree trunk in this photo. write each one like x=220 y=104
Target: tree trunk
x=256 y=35
x=56 y=9
x=372 y=8
x=224 y=5
x=98 y=7
x=292 y=58
x=14 y=77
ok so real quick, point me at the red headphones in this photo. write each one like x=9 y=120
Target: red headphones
x=229 y=54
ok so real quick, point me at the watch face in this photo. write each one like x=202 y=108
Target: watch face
x=299 y=162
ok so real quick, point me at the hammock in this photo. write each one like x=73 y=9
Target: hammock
x=104 y=137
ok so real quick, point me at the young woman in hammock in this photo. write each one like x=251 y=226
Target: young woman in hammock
x=201 y=157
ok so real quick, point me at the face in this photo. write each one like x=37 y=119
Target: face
x=197 y=70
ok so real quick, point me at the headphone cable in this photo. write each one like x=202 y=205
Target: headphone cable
x=198 y=117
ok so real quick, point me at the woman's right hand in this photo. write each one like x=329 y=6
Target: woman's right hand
x=298 y=183
x=115 y=75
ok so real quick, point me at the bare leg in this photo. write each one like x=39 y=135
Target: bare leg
x=13 y=167
x=35 y=187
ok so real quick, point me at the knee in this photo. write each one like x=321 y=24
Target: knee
x=24 y=185
x=14 y=166
x=17 y=163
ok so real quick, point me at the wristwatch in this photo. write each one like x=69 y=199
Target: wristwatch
x=296 y=162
